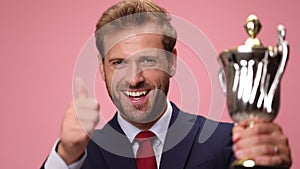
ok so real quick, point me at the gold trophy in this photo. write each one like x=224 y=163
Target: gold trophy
x=250 y=78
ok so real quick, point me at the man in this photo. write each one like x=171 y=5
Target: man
x=136 y=42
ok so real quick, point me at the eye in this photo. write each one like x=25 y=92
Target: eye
x=149 y=61
x=118 y=63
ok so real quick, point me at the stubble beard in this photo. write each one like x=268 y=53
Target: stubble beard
x=147 y=112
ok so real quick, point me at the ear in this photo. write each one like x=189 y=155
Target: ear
x=173 y=63
x=101 y=67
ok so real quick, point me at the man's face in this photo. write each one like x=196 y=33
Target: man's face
x=137 y=71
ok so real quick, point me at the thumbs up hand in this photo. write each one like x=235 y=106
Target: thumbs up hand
x=79 y=122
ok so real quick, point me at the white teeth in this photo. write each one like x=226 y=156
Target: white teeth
x=135 y=94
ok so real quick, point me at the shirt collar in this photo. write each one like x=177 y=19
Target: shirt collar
x=160 y=128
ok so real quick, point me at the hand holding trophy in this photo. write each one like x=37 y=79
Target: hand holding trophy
x=250 y=77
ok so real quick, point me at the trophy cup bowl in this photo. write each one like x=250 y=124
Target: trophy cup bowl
x=250 y=77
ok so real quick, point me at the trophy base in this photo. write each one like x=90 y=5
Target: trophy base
x=257 y=167
x=247 y=164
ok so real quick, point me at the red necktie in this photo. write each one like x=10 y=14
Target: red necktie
x=145 y=158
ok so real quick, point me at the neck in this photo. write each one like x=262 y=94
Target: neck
x=147 y=125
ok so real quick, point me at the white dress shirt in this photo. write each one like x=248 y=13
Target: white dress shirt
x=160 y=128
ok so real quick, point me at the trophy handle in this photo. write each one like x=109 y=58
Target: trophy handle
x=283 y=49
x=222 y=80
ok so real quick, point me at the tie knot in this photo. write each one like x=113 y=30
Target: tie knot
x=144 y=136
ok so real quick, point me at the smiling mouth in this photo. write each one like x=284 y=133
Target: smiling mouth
x=136 y=94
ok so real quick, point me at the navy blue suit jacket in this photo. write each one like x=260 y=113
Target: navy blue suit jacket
x=192 y=142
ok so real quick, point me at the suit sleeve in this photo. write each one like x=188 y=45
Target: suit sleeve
x=228 y=146
x=54 y=161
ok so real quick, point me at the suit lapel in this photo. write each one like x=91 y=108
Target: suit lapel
x=180 y=138
x=117 y=150
x=115 y=146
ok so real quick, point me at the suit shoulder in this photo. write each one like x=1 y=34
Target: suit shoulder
x=201 y=120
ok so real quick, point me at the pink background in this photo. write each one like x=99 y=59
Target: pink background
x=41 y=40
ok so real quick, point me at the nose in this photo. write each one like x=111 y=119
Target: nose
x=136 y=75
